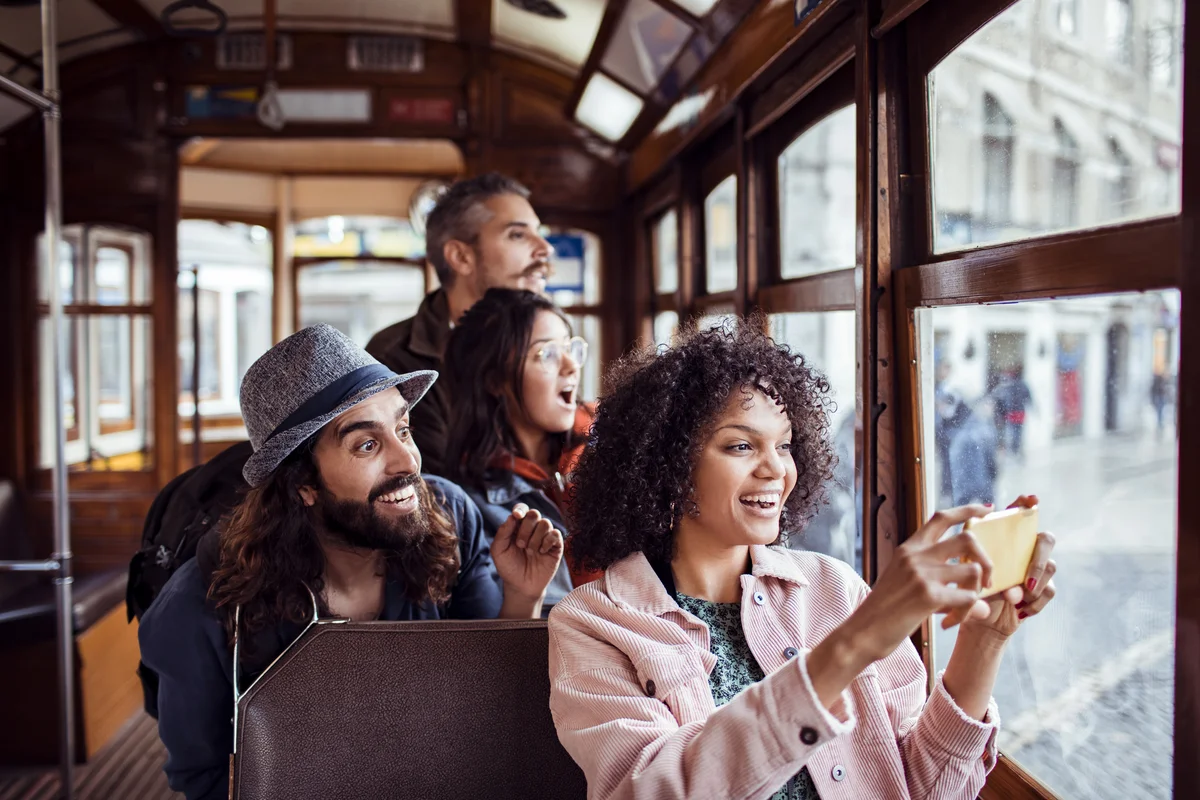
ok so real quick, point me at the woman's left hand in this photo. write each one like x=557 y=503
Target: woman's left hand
x=1008 y=609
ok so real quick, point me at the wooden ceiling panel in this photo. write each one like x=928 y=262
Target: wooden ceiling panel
x=326 y=156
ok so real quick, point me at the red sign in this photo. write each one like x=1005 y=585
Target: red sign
x=425 y=110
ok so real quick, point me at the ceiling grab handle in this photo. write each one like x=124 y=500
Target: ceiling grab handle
x=221 y=19
x=269 y=109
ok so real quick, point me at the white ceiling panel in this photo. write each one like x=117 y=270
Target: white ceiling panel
x=564 y=42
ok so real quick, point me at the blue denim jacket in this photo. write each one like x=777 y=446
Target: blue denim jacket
x=502 y=491
x=182 y=639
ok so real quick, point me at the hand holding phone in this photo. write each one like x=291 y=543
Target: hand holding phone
x=1009 y=538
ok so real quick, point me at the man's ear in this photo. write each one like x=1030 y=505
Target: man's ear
x=460 y=256
x=308 y=495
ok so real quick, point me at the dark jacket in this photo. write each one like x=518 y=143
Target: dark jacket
x=182 y=639
x=503 y=490
x=415 y=344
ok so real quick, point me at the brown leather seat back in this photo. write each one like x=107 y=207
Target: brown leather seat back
x=406 y=710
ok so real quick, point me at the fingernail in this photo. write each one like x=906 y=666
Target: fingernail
x=1022 y=615
x=1032 y=582
x=1020 y=604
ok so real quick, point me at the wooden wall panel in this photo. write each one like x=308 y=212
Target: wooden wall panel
x=560 y=177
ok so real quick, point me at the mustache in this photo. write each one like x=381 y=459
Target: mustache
x=394 y=485
x=536 y=267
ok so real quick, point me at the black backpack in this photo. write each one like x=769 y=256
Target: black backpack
x=183 y=512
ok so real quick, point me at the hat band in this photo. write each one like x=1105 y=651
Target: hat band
x=333 y=396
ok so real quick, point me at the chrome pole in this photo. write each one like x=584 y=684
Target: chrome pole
x=35 y=99
x=51 y=123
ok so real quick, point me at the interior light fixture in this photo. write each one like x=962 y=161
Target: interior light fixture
x=697 y=8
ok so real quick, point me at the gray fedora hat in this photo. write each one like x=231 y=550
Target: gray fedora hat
x=299 y=385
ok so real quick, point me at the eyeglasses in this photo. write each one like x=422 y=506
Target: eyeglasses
x=550 y=354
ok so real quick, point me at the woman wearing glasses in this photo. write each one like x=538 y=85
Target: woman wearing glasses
x=516 y=423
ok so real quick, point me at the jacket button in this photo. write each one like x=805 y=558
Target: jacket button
x=790 y=652
x=808 y=736
x=650 y=688
x=838 y=773
x=760 y=598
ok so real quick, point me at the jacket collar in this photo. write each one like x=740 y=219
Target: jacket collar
x=503 y=492
x=431 y=326
x=634 y=582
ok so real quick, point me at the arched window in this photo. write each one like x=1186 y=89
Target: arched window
x=1064 y=185
x=1121 y=189
x=997 y=163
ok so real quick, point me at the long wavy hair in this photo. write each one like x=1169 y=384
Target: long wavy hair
x=485 y=363
x=270 y=553
x=633 y=482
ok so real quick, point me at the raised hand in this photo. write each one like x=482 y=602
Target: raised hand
x=1008 y=609
x=527 y=551
x=919 y=582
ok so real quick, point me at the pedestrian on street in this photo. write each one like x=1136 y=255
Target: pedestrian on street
x=970 y=442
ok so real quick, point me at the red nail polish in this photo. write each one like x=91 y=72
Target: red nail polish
x=1022 y=615
x=1032 y=582
x=1020 y=604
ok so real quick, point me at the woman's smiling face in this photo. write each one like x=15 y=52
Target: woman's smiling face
x=744 y=474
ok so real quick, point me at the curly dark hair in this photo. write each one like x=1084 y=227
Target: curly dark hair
x=633 y=482
x=269 y=552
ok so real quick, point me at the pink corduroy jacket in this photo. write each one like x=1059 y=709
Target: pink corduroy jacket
x=631 y=701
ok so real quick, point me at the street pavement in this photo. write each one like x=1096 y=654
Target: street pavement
x=1086 y=688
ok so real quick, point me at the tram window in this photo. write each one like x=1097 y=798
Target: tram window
x=575 y=279
x=664 y=236
x=644 y=44
x=826 y=339
x=359 y=298
x=234 y=262
x=106 y=392
x=816 y=198
x=720 y=237
x=1079 y=143
x=1071 y=400
x=718 y=317
x=666 y=324
x=588 y=326
x=69 y=267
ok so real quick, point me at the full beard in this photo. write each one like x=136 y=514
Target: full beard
x=360 y=525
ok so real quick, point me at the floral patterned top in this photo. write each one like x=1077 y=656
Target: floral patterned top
x=736 y=669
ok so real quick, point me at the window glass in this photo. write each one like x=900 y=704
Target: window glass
x=1119 y=21
x=575 y=277
x=644 y=44
x=826 y=339
x=346 y=237
x=718 y=317
x=68 y=270
x=1064 y=138
x=106 y=393
x=113 y=275
x=664 y=236
x=1066 y=16
x=236 y=282
x=359 y=298
x=816 y=198
x=1074 y=401
x=666 y=324
x=720 y=237
x=588 y=326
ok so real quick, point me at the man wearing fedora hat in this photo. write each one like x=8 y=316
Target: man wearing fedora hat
x=337 y=515
x=482 y=234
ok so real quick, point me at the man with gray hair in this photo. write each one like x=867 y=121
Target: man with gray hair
x=482 y=234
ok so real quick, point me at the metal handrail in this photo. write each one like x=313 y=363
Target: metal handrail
x=59 y=563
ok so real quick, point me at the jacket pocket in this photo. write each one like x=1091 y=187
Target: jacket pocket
x=679 y=680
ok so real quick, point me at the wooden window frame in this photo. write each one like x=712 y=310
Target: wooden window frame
x=1140 y=256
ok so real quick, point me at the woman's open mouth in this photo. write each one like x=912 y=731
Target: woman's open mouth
x=567 y=397
x=763 y=504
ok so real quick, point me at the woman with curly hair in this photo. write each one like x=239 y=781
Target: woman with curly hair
x=709 y=663
x=517 y=425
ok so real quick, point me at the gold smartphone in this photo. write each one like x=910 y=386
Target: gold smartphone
x=1009 y=538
